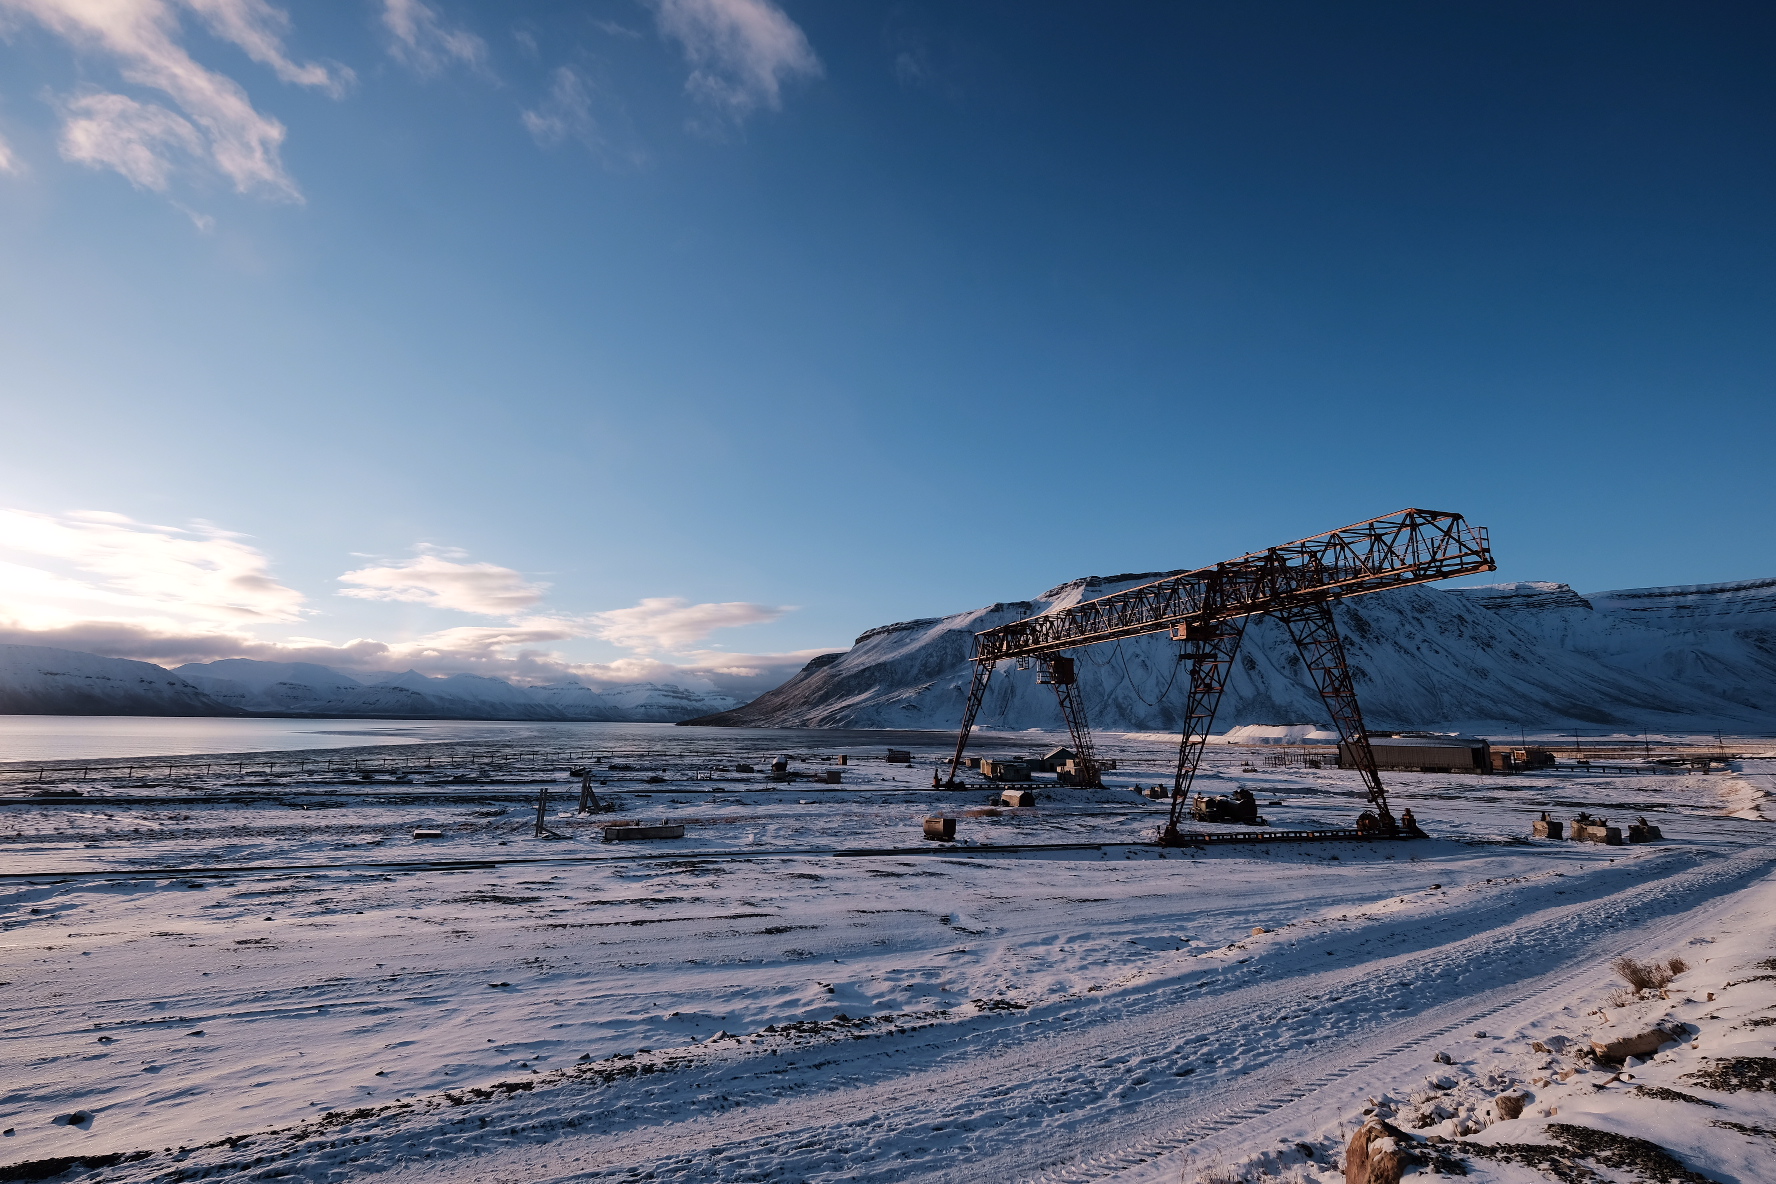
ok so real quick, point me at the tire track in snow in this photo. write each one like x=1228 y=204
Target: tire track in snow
x=1553 y=986
x=1007 y=1077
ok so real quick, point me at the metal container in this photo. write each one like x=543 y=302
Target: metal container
x=614 y=833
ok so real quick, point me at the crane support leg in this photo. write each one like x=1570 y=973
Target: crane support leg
x=1211 y=654
x=1060 y=671
x=1315 y=633
x=977 y=694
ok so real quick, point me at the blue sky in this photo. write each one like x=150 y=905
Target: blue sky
x=680 y=338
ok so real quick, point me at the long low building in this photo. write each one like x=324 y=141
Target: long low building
x=1425 y=754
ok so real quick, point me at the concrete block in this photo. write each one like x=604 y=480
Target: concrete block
x=424 y=833
x=1549 y=829
x=1017 y=797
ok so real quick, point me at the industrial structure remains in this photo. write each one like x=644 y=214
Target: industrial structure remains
x=1207 y=610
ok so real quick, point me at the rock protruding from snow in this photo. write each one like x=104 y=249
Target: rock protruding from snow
x=1377 y=1154
x=1532 y=596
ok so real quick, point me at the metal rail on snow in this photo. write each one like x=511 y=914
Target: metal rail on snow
x=1207 y=609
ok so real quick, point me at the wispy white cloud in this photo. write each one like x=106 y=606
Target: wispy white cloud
x=422 y=41
x=565 y=112
x=142 y=37
x=9 y=161
x=673 y=623
x=58 y=569
x=259 y=29
x=438 y=577
x=142 y=141
x=750 y=666
x=741 y=52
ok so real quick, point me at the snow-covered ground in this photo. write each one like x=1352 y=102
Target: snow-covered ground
x=761 y=1001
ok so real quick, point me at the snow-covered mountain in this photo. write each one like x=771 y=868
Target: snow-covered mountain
x=293 y=688
x=1495 y=658
x=38 y=680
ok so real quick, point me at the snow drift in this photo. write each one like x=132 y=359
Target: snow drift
x=1494 y=658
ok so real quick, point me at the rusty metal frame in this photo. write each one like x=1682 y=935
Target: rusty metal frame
x=1315 y=634
x=1059 y=672
x=1211 y=661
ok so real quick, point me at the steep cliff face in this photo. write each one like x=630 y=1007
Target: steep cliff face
x=1493 y=658
x=41 y=680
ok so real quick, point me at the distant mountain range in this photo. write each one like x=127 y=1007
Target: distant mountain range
x=1492 y=659
x=38 y=680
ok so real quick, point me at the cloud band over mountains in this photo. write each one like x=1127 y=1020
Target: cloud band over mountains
x=103 y=583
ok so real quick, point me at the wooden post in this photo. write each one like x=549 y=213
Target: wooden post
x=588 y=796
x=542 y=811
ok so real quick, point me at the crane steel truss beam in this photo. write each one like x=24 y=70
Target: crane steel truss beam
x=1207 y=608
x=1411 y=547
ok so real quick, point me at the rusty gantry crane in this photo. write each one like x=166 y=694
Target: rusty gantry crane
x=1207 y=609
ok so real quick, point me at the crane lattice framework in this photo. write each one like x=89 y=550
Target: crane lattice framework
x=1207 y=609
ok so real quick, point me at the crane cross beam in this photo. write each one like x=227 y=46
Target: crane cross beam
x=1411 y=547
